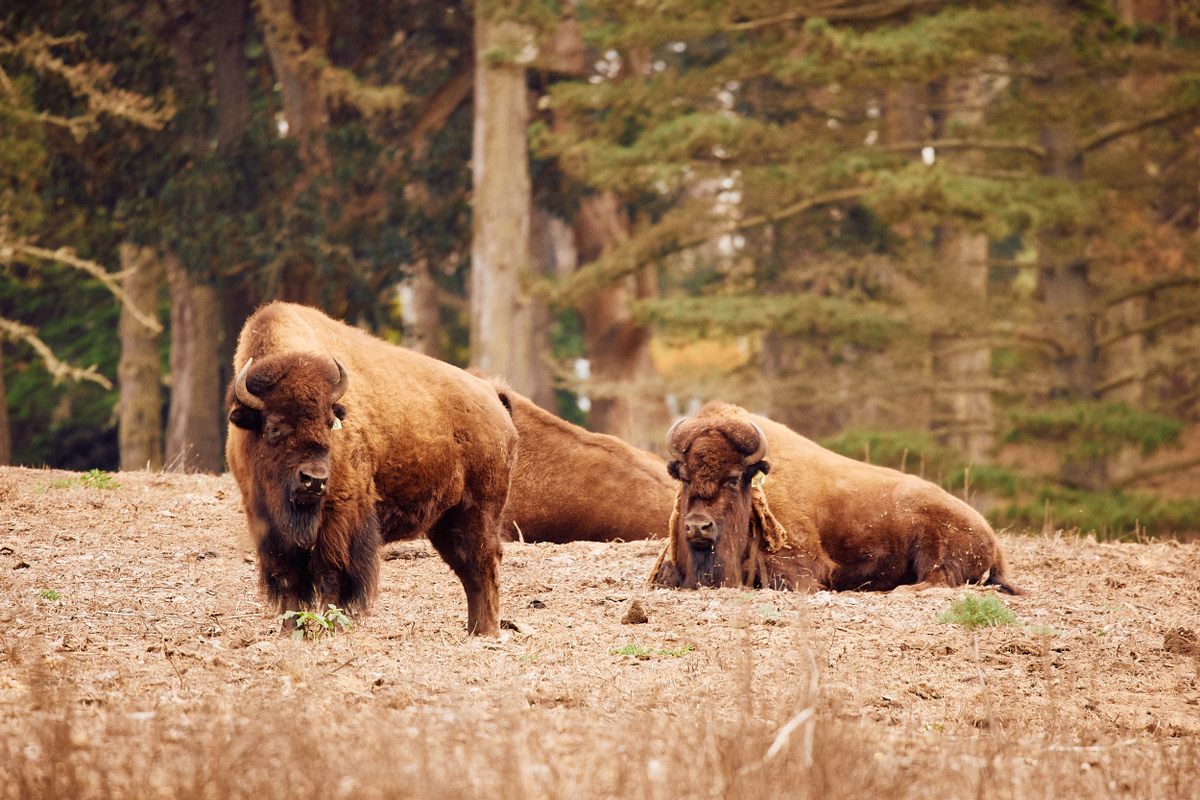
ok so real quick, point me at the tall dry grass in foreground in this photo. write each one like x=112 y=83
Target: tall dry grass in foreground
x=57 y=745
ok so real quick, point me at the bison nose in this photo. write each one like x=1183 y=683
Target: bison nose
x=700 y=530
x=313 y=479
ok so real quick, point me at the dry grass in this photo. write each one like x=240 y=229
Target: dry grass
x=158 y=673
x=762 y=747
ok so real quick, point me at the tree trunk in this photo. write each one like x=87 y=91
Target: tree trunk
x=138 y=372
x=5 y=431
x=421 y=311
x=627 y=402
x=227 y=30
x=963 y=413
x=293 y=32
x=1067 y=294
x=194 y=419
x=507 y=325
x=964 y=416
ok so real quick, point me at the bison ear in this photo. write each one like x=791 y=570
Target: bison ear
x=756 y=468
x=673 y=469
x=246 y=418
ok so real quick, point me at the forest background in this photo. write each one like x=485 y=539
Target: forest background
x=958 y=238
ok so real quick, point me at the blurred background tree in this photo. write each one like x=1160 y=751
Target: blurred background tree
x=960 y=238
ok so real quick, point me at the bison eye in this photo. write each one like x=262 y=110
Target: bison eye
x=733 y=483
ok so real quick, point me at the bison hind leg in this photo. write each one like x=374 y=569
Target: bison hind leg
x=468 y=540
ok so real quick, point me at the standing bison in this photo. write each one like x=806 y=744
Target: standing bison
x=822 y=520
x=340 y=441
x=563 y=470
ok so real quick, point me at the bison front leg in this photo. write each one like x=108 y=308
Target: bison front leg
x=469 y=542
x=666 y=575
x=345 y=563
x=284 y=574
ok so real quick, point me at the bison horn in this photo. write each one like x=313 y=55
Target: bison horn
x=244 y=396
x=670 y=447
x=343 y=381
x=761 y=453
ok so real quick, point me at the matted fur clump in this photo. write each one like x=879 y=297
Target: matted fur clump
x=820 y=520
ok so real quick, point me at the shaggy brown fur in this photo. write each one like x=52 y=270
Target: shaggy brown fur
x=572 y=485
x=423 y=448
x=881 y=528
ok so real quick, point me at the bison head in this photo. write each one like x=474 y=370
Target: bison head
x=289 y=404
x=715 y=461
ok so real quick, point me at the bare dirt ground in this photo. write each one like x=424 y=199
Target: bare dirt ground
x=137 y=660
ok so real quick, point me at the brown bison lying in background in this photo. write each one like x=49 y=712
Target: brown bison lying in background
x=339 y=441
x=881 y=528
x=562 y=472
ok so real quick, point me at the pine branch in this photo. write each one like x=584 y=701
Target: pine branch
x=1028 y=148
x=1150 y=325
x=835 y=12
x=17 y=332
x=1126 y=379
x=1154 y=472
x=439 y=108
x=1144 y=289
x=1118 y=129
x=631 y=255
x=66 y=256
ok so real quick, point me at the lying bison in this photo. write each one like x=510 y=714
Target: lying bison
x=563 y=470
x=821 y=520
x=339 y=441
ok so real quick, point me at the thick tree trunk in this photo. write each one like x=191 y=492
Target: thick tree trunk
x=507 y=324
x=227 y=30
x=194 y=420
x=963 y=413
x=138 y=372
x=296 y=35
x=1068 y=296
x=5 y=431
x=964 y=416
x=421 y=311
x=628 y=401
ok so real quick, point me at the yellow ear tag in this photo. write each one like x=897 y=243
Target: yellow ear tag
x=337 y=426
x=758 y=480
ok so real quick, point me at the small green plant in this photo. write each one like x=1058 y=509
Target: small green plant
x=977 y=611
x=98 y=479
x=1047 y=631
x=645 y=653
x=49 y=594
x=770 y=612
x=92 y=479
x=315 y=624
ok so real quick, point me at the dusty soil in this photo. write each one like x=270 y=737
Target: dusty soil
x=140 y=606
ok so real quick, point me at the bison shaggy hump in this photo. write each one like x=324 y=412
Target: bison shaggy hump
x=340 y=441
x=820 y=520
